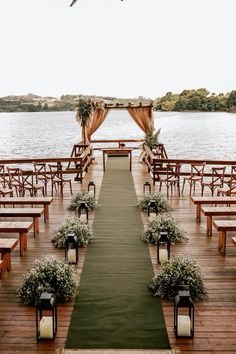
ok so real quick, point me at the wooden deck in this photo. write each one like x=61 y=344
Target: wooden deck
x=215 y=322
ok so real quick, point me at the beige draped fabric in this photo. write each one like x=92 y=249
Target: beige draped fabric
x=143 y=117
x=97 y=117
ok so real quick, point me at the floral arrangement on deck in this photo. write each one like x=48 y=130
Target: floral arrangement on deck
x=48 y=275
x=160 y=201
x=86 y=197
x=164 y=223
x=83 y=231
x=179 y=272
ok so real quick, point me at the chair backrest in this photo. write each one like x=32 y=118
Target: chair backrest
x=2 y=175
x=14 y=175
x=232 y=182
x=26 y=179
x=197 y=169
x=171 y=171
x=39 y=167
x=56 y=171
x=217 y=176
x=40 y=170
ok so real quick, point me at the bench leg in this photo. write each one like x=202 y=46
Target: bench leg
x=36 y=226
x=46 y=213
x=23 y=243
x=209 y=225
x=198 y=212
x=222 y=242
x=219 y=240
x=2 y=269
x=6 y=258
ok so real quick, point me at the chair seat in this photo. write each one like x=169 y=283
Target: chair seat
x=5 y=191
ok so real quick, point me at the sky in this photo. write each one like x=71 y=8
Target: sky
x=126 y=48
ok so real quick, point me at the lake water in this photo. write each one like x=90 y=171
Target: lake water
x=52 y=134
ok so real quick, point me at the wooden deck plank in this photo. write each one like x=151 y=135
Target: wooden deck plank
x=17 y=321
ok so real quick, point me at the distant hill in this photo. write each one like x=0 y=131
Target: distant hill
x=188 y=100
x=35 y=103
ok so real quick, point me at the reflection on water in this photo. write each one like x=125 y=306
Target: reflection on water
x=52 y=134
x=198 y=135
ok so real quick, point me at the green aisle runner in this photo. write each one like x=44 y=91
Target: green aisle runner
x=114 y=308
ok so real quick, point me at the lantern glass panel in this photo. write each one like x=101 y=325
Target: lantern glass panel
x=92 y=188
x=146 y=188
x=83 y=212
x=152 y=207
x=71 y=249
x=183 y=314
x=163 y=247
x=46 y=317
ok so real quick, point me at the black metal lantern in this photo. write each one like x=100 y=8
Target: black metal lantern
x=152 y=209
x=147 y=187
x=71 y=249
x=183 y=314
x=163 y=247
x=46 y=317
x=83 y=212
x=92 y=188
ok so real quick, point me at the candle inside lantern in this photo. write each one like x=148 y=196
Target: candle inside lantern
x=46 y=327
x=83 y=218
x=152 y=216
x=71 y=255
x=184 y=326
x=163 y=255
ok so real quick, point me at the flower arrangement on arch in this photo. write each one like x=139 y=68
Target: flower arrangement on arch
x=83 y=231
x=167 y=223
x=179 y=271
x=48 y=275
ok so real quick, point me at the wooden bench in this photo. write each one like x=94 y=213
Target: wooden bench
x=22 y=228
x=35 y=213
x=198 y=201
x=45 y=201
x=223 y=226
x=210 y=211
x=7 y=245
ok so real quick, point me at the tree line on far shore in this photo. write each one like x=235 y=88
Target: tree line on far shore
x=188 y=100
x=197 y=100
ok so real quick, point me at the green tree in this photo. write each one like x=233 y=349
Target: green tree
x=232 y=99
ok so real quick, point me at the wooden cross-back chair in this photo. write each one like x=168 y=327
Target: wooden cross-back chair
x=27 y=184
x=41 y=175
x=170 y=176
x=14 y=179
x=58 y=181
x=217 y=180
x=4 y=183
x=196 y=176
x=230 y=188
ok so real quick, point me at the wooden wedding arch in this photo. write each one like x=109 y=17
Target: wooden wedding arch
x=141 y=113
